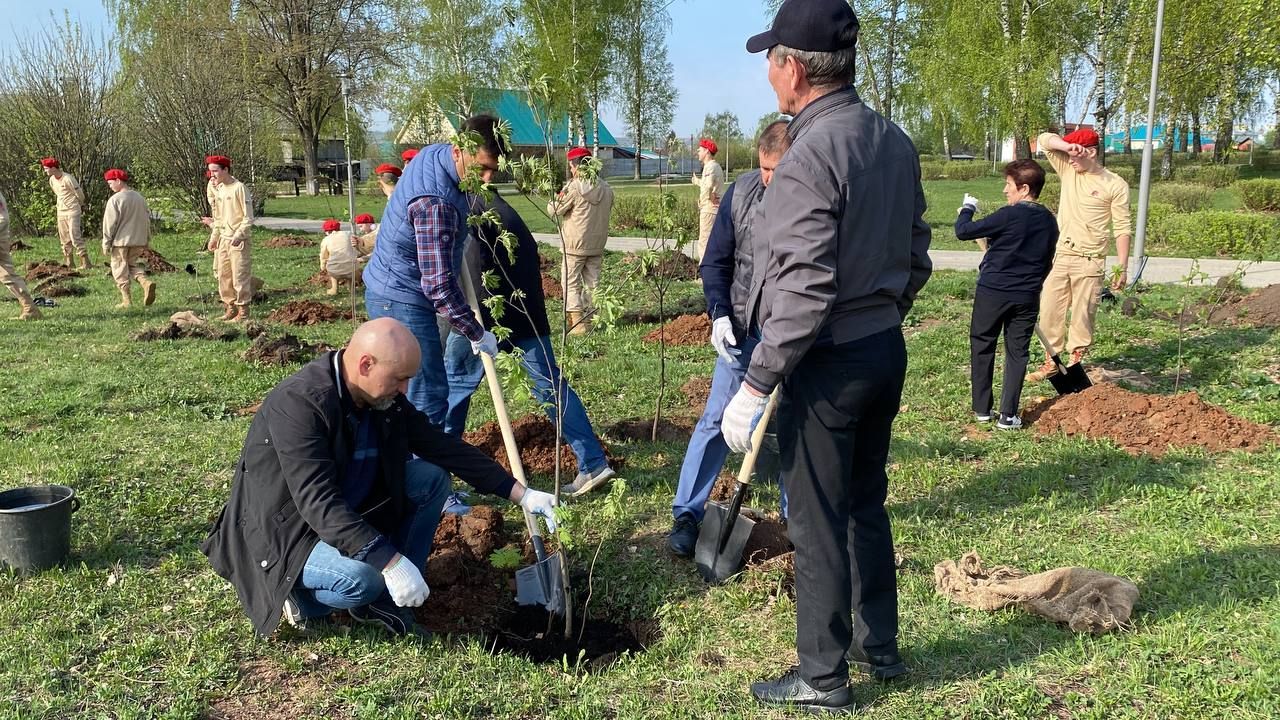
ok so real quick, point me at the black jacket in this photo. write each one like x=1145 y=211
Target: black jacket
x=287 y=492
x=1020 y=252
x=525 y=317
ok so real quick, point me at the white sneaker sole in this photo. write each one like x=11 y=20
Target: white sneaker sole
x=593 y=483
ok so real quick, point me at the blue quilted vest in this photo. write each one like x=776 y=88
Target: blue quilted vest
x=392 y=271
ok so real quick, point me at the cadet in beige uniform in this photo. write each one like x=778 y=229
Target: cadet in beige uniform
x=586 y=206
x=126 y=232
x=1094 y=206
x=8 y=276
x=366 y=234
x=338 y=256
x=71 y=205
x=233 y=223
x=710 y=187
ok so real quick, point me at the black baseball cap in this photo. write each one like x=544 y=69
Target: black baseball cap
x=814 y=25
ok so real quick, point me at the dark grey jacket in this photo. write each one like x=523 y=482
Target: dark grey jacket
x=844 y=220
x=287 y=493
x=748 y=189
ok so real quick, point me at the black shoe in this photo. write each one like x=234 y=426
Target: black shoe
x=292 y=614
x=683 y=536
x=388 y=616
x=881 y=667
x=792 y=690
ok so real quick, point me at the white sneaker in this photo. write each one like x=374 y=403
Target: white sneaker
x=1009 y=422
x=982 y=417
x=585 y=482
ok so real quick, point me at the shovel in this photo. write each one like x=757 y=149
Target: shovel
x=1069 y=378
x=542 y=583
x=724 y=532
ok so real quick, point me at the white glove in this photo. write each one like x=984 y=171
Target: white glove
x=404 y=582
x=723 y=340
x=740 y=418
x=542 y=504
x=970 y=202
x=487 y=344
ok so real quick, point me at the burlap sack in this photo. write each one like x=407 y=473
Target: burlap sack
x=1086 y=600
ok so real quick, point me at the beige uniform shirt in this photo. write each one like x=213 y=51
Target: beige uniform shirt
x=4 y=219
x=1093 y=206
x=127 y=220
x=710 y=186
x=68 y=192
x=586 y=208
x=232 y=211
x=337 y=257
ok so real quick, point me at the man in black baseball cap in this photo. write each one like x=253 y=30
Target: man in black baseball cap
x=844 y=219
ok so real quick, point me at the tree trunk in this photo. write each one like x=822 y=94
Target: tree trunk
x=639 y=145
x=1182 y=137
x=1196 y=149
x=891 y=59
x=946 y=136
x=310 y=159
x=1166 y=155
x=1128 y=136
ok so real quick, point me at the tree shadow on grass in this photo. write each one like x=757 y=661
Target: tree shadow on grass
x=1206 y=356
x=1211 y=577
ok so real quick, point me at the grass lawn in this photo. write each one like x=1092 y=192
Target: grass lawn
x=136 y=625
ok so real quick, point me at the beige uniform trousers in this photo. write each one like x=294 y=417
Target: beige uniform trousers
x=234 y=270
x=581 y=274
x=69 y=233
x=1072 y=285
x=126 y=264
x=706 y=219
x=8 y=276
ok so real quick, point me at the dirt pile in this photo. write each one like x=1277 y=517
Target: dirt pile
x=284 y=350
x=1260 y=308
x=1148 y=424
x=308 y=312
x=671 y=264
x=768 y=540
x=671 y=308
x=536 y=438
x=468 y=594
x=156 y=263
x=320 y=279
x=669 y=429
x=46 y=271
x=56 y=289
x=183 y=330
x=697 y=389
x=289 y=241
x=551 y=288
x=684 y=330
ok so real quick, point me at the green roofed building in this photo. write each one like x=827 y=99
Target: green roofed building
x=529 y=129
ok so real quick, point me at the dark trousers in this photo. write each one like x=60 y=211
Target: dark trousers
x=834 y=424
x=992 y=316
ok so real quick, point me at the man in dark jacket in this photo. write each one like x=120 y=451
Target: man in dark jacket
x=519 y=278
x=844 y=218
x=1022 y=237
x=329 y=508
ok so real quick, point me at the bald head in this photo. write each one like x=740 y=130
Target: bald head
x=379 y=361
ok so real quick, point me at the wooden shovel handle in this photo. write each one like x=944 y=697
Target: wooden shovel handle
x=757 y=440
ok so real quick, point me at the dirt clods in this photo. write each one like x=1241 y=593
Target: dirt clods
x=595 y=643
x=289 y=241
x=1149 y=424
x=48 y=271
x=536 y=437
x=697 y=389
x=55 y=289
x=768 y=540
x=155 y=262
x=284 y=350
x=676 y=429
x=551 y=288
x=308 y=312
x=186 y=325
x=683 y=330
x=671 y=264
x=682 y=306
x=468 y=594
x=1261 y=308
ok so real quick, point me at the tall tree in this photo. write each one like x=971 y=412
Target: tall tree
x=300 y=48
x=645 y=77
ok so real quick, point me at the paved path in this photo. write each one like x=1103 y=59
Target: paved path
x=1158 y=270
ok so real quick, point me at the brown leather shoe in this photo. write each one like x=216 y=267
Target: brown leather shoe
x=148 y=293
x=242 y=313
x=1044 y=371
x=230 y=312
x=1077 y=355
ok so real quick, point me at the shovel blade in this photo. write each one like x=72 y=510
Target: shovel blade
x=1070 y=379
x=716 y=565
x=541 y=584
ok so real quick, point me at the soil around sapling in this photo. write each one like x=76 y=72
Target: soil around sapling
x=683 y=330
x=289 y=241
x=308 y=312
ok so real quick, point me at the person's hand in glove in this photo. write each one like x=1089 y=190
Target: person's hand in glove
x=404 y=582
x=542 y=504
x=723 y=340
x=741 y=416
x=487 y=344
x=969 y=202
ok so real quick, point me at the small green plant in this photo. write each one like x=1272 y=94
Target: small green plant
x=507 y=558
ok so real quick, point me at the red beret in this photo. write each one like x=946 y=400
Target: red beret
x=114 y=174
x=709 y=145
x=385 y=168
x=50 y=162
x=579 y=152
x=221 y=160
x=409 y=154
x=1083 y=137
x=330 y=225
x=365 y=219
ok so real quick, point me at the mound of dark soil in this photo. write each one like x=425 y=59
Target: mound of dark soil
x=181 y=331
x=683 y=306
x=289 y=241
x=671 y=264
x=697 y=389
x=468 y=594
x=1149 y=424
x=684 y=330
x=308 y=312
x=536 y=438
x=58 y=288
x=676 y=429
x=320 y=279
x=49 y=271
x=551 y=288
x=1260 y=308
x=284 y=350
x=768 y=540
x=155 y=262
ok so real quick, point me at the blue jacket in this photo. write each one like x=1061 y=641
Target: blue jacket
x=393 y=271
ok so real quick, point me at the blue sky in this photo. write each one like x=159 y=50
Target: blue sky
x=706 y=47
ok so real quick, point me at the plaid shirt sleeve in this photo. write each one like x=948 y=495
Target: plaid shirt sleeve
x=435 y=230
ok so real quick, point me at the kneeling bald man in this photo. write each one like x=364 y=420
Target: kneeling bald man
x=339 y=490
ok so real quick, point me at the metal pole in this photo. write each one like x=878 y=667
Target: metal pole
x=351 y=178
x=1144 y=185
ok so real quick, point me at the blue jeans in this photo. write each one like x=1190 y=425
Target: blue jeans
x=331 y=580
x=707 y=449
x=466 y=371
x=429 y=389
